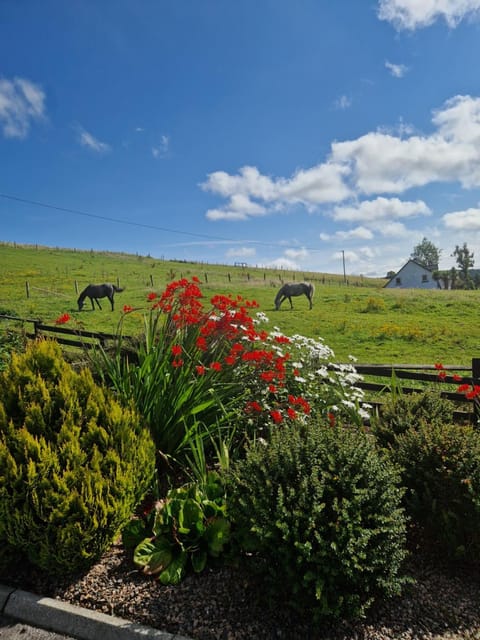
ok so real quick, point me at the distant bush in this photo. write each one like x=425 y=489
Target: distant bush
x=73 y=463
x=441 y=472
x=402 y=411
x=320 y=509
x=374 y=305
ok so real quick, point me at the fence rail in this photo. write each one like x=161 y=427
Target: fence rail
x=377 y=378
x=79 y=338
x=446 y=378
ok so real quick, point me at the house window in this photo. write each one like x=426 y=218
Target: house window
x=398 y=281
x=424 y=278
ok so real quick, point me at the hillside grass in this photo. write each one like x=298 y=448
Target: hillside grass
x=356 y=318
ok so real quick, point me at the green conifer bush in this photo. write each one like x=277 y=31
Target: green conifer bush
x=320 y=508
x=74 y=464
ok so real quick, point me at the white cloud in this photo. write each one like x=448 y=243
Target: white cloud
x=295 y=254
x=415 y=14
x=393 y=230
x=382 y=162
x=283 y=263
x=468 y=220
x=239 y=207
x=21 y=102
x=322 y=183
x=397 y=70
x=381 y=208
x=343 y=102
x=359 y=233
x=373 y=164
x=241 y=252
x=160 y=150
x=86 y=139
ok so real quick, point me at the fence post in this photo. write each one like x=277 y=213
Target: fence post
x=151 y=280
x=476 y=381
x=27 y=287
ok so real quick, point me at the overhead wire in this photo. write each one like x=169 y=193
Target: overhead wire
x=138 y=224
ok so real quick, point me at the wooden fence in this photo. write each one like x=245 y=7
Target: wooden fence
x=377 y=378
x=79 y=338
x=411 y=378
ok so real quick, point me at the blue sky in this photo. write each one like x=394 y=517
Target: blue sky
x=272 y=132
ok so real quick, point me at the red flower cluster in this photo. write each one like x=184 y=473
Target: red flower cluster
x=470 y=391
x=442 y=374
x=62 y=319
x=228 y=324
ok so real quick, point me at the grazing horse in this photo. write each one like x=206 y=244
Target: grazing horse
x=95 y=291
x=294 y=289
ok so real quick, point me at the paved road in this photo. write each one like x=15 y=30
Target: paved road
x=25 y=616
x=12 y=630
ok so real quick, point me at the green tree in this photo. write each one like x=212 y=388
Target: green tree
x=427 y=254
x=465 y=261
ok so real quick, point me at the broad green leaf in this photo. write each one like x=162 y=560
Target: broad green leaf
x=153 y=555
x=199 y=560
x=189 y=515
x=175 y=570
x=217 y=535
x=133 y=533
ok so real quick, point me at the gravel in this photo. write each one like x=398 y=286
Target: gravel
x=226 y=603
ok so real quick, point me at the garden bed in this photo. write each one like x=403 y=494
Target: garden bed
x=226 y=603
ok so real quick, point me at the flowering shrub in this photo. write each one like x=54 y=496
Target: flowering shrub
x=196 y=367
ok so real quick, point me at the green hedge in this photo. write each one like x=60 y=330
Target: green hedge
x=320 y=509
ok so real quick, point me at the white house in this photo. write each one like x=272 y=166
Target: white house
x=413 y=275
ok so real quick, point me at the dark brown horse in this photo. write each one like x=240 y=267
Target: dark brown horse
x=96 y=291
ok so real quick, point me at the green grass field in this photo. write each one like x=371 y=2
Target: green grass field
x=358 y=318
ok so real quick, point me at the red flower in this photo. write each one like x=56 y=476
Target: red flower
x=176 y=350
x=291 y=413
x=62 y=319
x=202 y=343
x=267 y=376
x=276 y=416
x=200 y=369
x=475 y=391
x=151 y=296
x=463 y=388
x=331 y=419
x=438 y=365
x=127 y=308
x=177 y=363
x=216 y=366
x=253 y=406
x=457 y=378
x=442 y=375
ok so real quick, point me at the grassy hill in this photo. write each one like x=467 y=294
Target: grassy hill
x=357 y=317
